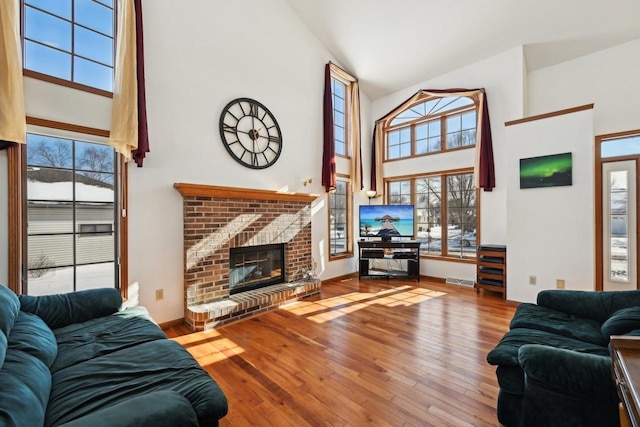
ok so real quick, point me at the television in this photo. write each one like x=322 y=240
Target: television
x=386 y=221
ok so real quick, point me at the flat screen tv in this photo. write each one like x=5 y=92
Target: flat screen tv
x=386 y=221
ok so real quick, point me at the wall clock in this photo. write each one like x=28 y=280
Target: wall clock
x=250 y=133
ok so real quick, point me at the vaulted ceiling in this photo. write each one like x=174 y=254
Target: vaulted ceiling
x=392 y=44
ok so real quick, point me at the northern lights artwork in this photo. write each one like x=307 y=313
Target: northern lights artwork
x=546 y=171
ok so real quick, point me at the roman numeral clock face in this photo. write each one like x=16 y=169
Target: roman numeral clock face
x=250 y=133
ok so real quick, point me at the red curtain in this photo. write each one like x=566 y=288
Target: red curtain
x=143 y=132
x=329 y=149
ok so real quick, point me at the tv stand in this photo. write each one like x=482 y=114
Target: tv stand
x=408 y=250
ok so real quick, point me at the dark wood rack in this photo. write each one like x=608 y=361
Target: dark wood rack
x=491 y=268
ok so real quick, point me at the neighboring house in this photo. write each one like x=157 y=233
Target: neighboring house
x=55 y=244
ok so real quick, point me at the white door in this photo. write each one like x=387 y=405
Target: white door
x=619 y=225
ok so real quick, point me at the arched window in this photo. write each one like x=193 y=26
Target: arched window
x=432 y=126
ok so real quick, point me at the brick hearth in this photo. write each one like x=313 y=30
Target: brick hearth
x=219 y=218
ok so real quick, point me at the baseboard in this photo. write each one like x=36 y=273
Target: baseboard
x=171 y=323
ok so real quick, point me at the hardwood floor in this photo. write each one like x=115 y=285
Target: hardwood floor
x=365 y=352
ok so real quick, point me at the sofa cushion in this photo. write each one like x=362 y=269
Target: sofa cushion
x=9 y=308
x=157 y=409
x=25 y=379
x=588 y=304
x=31 y=335
x=96 y=337
x=25 y=383
x=75 y=307
x=533 y=316
x=118 y=376
x=621 y=322
x=506 y=352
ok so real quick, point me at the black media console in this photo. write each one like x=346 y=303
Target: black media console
x=408 y=250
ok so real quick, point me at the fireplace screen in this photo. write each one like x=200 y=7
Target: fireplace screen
x=255 y=267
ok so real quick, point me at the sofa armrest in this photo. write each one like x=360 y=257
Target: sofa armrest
x=158 y=409
x=568 y=372
x=75 y=307
x=590 y=305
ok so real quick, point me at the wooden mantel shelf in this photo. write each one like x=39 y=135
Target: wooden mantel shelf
x=201 y=190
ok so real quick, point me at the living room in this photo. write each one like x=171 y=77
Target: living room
x=200 y=57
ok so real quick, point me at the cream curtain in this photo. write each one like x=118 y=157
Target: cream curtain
x=124 y=112
x=353 y=126
x=13 y=127
x=483 y=135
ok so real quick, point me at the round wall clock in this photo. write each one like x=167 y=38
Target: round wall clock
x=250 y=133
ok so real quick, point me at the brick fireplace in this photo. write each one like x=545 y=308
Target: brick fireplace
x=217 y=219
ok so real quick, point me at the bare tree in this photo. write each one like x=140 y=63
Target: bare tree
x=95 y=160
x=56 y=155
x=461 y=201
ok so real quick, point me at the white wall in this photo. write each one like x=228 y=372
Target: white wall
x=550 y=230
x=502 y=77
x=607 y=78
x=195 y=66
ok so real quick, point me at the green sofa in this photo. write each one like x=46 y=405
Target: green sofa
x=77 y=360
x=554 y=364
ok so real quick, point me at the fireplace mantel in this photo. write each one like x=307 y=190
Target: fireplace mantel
x=201 y=190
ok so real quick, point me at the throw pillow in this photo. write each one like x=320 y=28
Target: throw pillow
x=621 y=322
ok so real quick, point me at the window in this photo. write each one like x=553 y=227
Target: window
x=70 y=40
x=339 y=97
x=72 y=210
x=429 y=214
x=340 y=219
x=86 y=230
x=437 y=196
x=345 y=109
x=461 y=215
x=436 y=125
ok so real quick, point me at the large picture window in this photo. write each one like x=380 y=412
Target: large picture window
x=72 y=241
x=446 y=211
x=70 y=40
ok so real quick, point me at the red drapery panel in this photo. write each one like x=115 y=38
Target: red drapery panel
x=486 y=170
x=143 y=133
x=329 y=150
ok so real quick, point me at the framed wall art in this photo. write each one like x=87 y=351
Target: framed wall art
x=546 y=171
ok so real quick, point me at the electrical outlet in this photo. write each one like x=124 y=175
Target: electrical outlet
x=532 y=280
x=159 y=294
x=560 y=284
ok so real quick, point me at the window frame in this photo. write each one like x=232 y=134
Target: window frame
x=348 y=234
x=61 y=81
x=17 y=162
x=342 y=174
x=412 y=124
x=348 y=144
x=443 y=175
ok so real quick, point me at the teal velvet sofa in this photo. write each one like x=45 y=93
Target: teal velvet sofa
x=78 y=360
x=554 y=364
